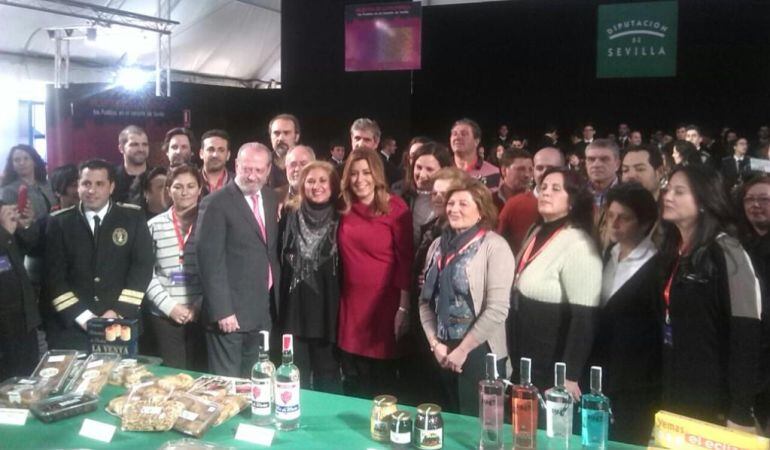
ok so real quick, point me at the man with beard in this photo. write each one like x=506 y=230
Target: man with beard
x=236 y=246
x=178 y=146
x=284 y=136
x=135 y=148
x=214 y=152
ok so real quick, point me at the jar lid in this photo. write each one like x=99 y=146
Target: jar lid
x=385 y=400
x=431 y=409
x=400 y=416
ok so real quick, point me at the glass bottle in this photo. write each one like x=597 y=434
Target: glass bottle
x=262 y=381
x=491 y=400
x=525 y=408
x=287 y=410
x=558 y=403
x=595 y=413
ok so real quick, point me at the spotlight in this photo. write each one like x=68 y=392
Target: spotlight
x=132 y=78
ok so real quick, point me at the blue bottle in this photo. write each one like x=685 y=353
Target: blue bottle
x=595 y=413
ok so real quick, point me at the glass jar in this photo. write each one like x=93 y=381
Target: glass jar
x=400 y=430
x=428 y=427
x=384 y=406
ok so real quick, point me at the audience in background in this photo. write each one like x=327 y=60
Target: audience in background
x=134 y=145
x=64 y=182
x=215 y=152
x=177 y=146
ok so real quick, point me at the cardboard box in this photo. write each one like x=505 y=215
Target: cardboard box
x=119 y=336
x=680 y=432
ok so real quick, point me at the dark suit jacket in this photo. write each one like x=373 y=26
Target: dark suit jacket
x=391 y=169
x=730 y=173
x=233 y=258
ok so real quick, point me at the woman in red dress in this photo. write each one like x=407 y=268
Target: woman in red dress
x=375 y=245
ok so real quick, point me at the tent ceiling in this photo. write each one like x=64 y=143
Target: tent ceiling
x=216 y=39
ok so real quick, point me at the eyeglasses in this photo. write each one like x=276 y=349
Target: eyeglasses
x=761 y=201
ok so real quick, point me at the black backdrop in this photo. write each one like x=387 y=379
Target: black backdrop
x=527 y=63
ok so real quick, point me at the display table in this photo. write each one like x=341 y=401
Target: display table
x=328 y=422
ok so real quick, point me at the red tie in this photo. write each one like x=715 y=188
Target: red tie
x=255 y=201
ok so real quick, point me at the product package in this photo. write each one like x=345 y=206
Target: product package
x=64 y=406
x=146 y=409
x=18 y=392
x=198 y=415
x=192 y=444
x=94 y=373
x=129 y=373
x=680 y=432
x=55 y=367
x=119 y=336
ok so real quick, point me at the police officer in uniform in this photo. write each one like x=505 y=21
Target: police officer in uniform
x=99 y=258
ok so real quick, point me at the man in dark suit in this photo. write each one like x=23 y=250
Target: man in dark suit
x=736 y=167
x=237 y=238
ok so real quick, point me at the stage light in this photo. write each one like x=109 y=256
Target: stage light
x=132 y=78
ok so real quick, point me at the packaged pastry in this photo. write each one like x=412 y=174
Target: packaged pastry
x=94 y=373
x=115 y=406
x=198 y=415
x=231 y=405
x=212 y=386
x=64 y=406
x=192 y=444
x=180 y=381
x=55 y=367
x=129 y=373
x=142 y=413
x=17 y=392
x=117 y=374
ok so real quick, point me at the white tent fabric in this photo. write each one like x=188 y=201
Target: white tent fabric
x=217 y=39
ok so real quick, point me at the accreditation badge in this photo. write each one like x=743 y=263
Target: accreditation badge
x=120 y=237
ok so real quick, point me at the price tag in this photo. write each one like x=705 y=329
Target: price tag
x=13 y=416
x=254 y=434
x=97 y=430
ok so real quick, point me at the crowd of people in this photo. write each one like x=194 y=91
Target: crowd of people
x=648 y=258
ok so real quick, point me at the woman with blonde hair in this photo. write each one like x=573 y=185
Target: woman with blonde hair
x=310 y=290
x=375 y=245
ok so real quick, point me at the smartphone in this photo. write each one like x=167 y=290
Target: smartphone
x=21 y=202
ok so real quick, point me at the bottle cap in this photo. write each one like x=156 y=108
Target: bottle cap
x=525 y=369
x=288 y=343
x=492 y=366
x=560 y=373
x=596 y=379
x=265 y=344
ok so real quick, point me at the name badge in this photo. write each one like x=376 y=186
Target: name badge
x=179 y=277
x=5 y=264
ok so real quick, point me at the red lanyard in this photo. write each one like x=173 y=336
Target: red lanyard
x=444 y=261
x=181 y=241
x=220 y=182
x=526 y=258
x=667 y=288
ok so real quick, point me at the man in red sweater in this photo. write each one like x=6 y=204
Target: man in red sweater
x=520 y=211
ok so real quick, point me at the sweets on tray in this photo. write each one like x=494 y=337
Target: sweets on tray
x=149 y=408
x=18 y=392
x=94 y=373
x=55 y=366
x=198 y=415
x=64 y=406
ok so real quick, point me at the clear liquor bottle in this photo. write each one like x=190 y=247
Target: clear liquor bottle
x=595 y=414
x=287 y=410
x=559 y=408
x=491 y=405
x=262 y=384
x=525 y=409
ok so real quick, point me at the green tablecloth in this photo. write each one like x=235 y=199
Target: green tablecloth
x=328 y=422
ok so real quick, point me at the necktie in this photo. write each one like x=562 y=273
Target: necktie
x=97 y=221
x=261 y=223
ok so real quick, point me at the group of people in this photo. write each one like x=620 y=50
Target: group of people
x=627 y=256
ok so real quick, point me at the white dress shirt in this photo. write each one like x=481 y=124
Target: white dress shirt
x=617 y=273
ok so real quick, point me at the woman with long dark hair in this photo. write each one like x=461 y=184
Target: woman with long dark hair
x=24 y=166
x=426 y=161
x=310 y=275
x=710 y=308
x=558 y=282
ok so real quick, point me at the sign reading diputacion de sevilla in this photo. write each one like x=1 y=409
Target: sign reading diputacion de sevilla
x=637 y=40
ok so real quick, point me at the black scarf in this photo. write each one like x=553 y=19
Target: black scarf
x=310 y=240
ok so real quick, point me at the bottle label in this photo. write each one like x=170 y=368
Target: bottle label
x=430 y=439
x=524 y=418
x=287 y=400
x=261 y=397
x=558 y=419
x=400 y=438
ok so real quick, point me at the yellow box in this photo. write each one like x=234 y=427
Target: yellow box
x=680 y=432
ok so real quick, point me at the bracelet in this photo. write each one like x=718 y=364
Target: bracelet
x=404 y=310
x=433 y=344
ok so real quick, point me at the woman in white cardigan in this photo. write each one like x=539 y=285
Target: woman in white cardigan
x=175 y=292
x=558 y=282
x=465 y=299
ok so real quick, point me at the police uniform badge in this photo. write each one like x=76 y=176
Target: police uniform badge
x=120 y=236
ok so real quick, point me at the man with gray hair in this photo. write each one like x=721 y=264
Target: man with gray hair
x=237 y=251
x=297 y=158
x=602 y=165
x=365 y=133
